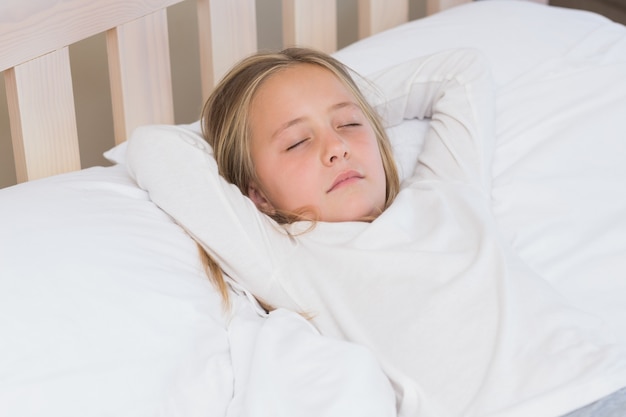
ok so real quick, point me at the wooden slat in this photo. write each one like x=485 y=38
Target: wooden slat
x=310 y=23
x=140 y=74
x=227 y=33
x=42 y=117
x=434 y=6
x=32 y=28
x=378 y=15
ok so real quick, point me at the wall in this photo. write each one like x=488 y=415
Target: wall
x=91 y=83
x=613 y=9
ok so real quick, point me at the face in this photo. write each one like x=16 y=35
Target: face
x=314 y=148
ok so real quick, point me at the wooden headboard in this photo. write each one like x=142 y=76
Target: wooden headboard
x=35 y=36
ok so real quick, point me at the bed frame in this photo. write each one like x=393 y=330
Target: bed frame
x=34 y=55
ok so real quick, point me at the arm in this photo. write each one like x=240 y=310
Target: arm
x=454 y=89
x=175 y=165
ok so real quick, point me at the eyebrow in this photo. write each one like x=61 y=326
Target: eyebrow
x=297 y=120
x=287 y=125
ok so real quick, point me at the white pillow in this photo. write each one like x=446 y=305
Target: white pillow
x=117 y=154
x=104 y=307
x=514 y=35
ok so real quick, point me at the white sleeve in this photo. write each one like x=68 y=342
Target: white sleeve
x=176 y=166
x=455 y=89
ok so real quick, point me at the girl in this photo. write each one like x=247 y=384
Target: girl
x=316 y=223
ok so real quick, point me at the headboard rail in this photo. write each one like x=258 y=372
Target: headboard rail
x=140 y=74
x=29 y=29
x=43 y=121
x=34 y=40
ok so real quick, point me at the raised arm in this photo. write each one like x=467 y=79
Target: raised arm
x=455 y=90
x=175 y=165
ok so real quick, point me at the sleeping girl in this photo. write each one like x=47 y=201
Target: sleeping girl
x=297 y=198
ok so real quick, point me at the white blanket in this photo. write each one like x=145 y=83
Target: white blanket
x=558 y=172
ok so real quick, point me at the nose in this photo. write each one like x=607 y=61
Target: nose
x=335 y=149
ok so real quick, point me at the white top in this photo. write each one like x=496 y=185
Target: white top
x=459 y=323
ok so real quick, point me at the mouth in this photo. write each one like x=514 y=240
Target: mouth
x=345 y=178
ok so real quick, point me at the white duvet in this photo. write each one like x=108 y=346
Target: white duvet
x=559 y=180
x=104 y=309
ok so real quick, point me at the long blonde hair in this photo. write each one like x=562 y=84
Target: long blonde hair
x=225 y=126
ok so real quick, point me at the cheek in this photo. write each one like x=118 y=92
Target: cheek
x=287 y=184
x=382 y=180
x=266 y=173
x=378 y=168
x=298 y=177
x=374 y=156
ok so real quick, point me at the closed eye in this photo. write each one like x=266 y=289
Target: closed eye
x=295 y=145
x=351 y=125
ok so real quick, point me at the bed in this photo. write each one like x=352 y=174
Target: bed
x=105 y=307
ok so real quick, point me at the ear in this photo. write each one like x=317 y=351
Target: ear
x=258 y=198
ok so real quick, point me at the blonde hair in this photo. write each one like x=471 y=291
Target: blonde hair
x=225 y=126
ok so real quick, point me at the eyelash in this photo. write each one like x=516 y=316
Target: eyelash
x=295 y=145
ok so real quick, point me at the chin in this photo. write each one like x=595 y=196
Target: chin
x=355 y=214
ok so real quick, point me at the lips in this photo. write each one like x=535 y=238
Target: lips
x=344 y=178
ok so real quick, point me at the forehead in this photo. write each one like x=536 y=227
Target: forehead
x=299 y=79
x=295 y=95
